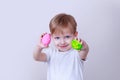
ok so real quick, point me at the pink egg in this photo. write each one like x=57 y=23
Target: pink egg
x=46 y=39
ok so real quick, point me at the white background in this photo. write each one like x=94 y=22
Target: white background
x=22 y=22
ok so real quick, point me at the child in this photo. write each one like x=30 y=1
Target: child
x=64 y=62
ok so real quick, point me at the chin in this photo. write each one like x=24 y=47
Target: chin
x=63 y=50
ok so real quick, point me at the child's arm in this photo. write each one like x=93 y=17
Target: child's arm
x=38 y=54
x=84 y=51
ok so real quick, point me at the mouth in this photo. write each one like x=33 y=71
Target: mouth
x=63 y=46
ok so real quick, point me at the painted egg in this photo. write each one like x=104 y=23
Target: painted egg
x=76 y=45
x=46 y=39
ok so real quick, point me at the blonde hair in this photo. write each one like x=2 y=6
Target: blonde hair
x=62 y=21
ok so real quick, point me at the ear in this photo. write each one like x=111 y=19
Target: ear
x=76 y=34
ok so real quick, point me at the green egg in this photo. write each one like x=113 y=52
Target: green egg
x=76 y=45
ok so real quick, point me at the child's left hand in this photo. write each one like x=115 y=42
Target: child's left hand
x=85 y=49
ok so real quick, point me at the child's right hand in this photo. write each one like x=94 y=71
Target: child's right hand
x=44 y=40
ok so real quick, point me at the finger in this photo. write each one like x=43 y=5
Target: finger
x=76 y=38
x=43 y=34
x=81 y=41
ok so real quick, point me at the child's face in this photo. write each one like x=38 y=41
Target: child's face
x=63 y=40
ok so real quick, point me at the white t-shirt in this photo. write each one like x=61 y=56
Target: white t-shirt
x=64 y=65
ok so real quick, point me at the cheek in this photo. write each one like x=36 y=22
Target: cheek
x=56 y=42
x=68 y=41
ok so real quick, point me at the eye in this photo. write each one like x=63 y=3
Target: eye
x=67 y=36
x=57 y=38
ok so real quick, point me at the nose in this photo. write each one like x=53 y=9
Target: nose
x=62 y=41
